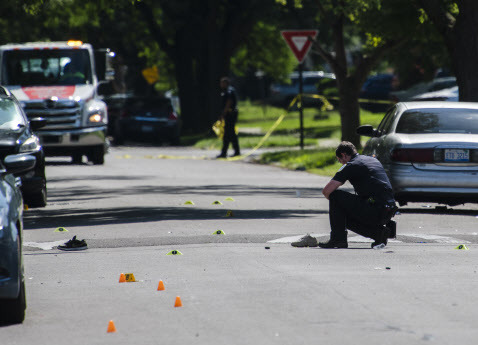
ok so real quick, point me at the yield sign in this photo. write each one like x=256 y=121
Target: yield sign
x=298 y=41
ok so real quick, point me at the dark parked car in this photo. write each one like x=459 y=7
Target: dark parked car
x=431 y=87
x=148 y=118
x=12 y=284
x=282 y=94
x=377 y=89
x=429 y=150
x=17 y=137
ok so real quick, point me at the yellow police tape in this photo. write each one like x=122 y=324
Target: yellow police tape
x=298 y=99
x=218 y=126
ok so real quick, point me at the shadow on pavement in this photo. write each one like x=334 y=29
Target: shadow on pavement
x=440 y=210
x=86 y=193
x=39 y=219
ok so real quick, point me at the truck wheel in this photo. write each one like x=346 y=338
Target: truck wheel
x=97 y=156
x=76 y=158
x=176 y=141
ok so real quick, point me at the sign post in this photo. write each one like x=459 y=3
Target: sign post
x=299 y=42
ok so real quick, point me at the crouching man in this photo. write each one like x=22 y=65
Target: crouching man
x=365 y=212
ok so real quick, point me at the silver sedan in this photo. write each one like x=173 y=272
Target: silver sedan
x=429 y=151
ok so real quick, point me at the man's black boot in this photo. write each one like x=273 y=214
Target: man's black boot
x=382 y=238
x=392 y=225
x=333 y=244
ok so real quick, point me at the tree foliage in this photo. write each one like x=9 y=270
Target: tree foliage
x=457 y=22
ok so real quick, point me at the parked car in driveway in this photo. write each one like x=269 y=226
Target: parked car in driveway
x=450 y=95
x=148 y=118
x=435 y=85
x=12 y=284
x=376 y=89
x=281 y=94
x=429 y=150
x=17 y=137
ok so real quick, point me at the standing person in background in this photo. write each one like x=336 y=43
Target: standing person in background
x=229 y=115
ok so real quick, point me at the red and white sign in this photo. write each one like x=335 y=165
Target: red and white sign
x=299 y=42
x=46 y=92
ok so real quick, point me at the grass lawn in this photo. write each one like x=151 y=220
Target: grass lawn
x=321 y=133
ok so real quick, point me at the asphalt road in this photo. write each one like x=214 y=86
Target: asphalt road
x=132 y=212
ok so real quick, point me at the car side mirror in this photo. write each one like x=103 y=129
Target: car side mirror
x=366 y=131
x=37 y=123
x=15 y=164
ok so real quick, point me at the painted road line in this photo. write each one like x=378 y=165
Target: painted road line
x=291 y=239
x=361 y=239
x=356 y=239
x=43 y=245
x=436 y=238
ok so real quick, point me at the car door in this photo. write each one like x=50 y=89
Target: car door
x=373 y=145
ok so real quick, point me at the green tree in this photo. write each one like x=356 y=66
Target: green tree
x=457 y=22
x=371 y=28
x=200 y=37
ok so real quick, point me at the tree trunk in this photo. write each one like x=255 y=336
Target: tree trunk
x=461 y=37
x=463 y=45
x=349 y=110
x=186 y=77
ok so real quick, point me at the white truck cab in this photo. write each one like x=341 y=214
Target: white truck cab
x=58 y=81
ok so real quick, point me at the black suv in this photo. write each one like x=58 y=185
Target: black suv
x=17 y=137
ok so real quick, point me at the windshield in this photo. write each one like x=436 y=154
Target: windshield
x=46 y=67
x=10 y=115
x=438 y=121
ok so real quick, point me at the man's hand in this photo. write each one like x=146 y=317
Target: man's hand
x=330 y=187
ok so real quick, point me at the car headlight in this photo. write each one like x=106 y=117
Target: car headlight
x=32 y=144
x=95 y=118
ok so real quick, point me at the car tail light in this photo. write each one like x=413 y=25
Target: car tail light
x=413 y=155
x=172 y=116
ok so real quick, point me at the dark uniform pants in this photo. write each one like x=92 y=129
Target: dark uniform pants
x=349 y=211
x=230 y=135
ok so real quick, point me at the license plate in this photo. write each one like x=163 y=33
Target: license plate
x=457 y=155
x=147 y=129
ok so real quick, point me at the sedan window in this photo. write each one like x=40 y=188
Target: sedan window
x=438 y=121
x=387 y=120
x=10 y=115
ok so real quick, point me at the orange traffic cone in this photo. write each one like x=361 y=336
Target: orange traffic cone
x=178 y=302
x=160 y=286
x=122 y=278
x=111 y=327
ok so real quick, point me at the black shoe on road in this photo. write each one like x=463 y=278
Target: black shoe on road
x=74 y=244
x=331 y=244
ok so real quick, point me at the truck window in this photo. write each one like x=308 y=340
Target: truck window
x=46 y=67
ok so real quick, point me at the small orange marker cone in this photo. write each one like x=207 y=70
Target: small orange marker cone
x=122 y=278
x=111 y=327
x=178 y=302
x=160 y=286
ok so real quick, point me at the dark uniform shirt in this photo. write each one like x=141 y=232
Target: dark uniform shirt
x=367 y=176
x=229 y=93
